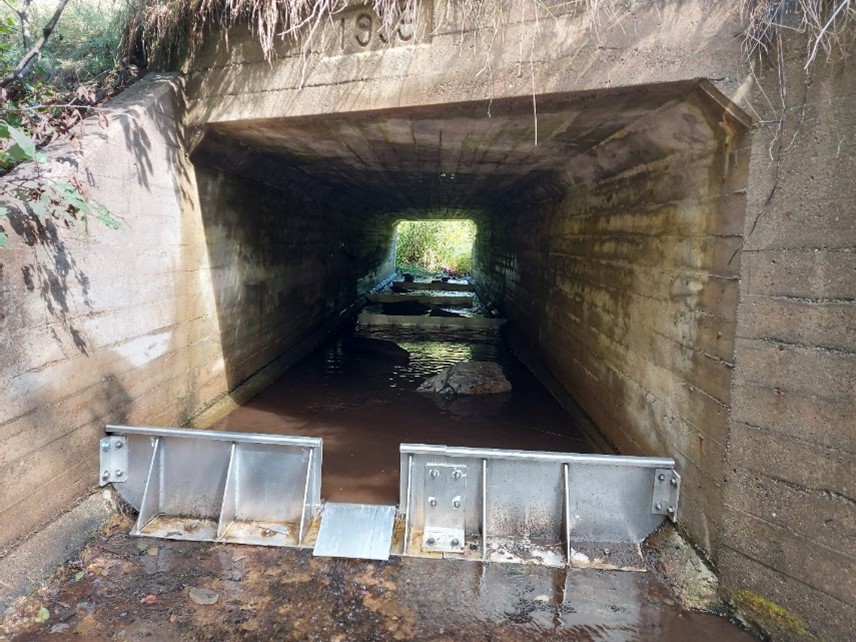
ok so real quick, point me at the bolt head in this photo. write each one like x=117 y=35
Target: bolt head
x=661 y=477
x=456 y=504
x=674 y=481
x=105 y=475
x=119 y=472
x=430 y=541
x=455 y=542
x=658 y=506
x=432 y=502
x=105 y=446
x=435 y=473
x=456 y=474
x=118 y=444
x=671 y=510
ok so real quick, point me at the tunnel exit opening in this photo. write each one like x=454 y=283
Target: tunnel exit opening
x=439 y=247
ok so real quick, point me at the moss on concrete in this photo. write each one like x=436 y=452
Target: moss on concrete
x=769 y=616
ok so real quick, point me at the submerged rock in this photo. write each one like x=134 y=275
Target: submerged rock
x=408 y=278
x=409 y=308
x=468 y=378
x=379 y=347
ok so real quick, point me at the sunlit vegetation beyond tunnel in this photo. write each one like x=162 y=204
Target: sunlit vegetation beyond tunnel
x=432 y=247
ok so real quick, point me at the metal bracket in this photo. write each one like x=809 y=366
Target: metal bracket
x=445 y=490
x=667 y=490
x=114 y=460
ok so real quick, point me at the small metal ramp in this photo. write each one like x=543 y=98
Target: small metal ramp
x=358 y=531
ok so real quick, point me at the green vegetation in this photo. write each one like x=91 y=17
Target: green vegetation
x=427 y=247
x=58 y=61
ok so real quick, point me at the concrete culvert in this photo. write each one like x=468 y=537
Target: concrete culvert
x=660 y=279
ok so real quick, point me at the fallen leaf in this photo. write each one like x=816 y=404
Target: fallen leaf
x=79 y=575
x=42 y=615
x=149 y=599
x=154 y=550
x=142 y=547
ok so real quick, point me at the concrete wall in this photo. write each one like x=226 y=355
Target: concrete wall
x=626 y=290
x=103 y=326
x=283 y=267
x=789 y=518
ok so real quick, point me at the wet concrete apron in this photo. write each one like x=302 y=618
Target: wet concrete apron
x=118 y=589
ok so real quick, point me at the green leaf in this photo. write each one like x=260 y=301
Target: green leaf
x=18 y=154
x=24 y=142
x=39 y=209
x=104 y=217
x=42 y=615
x=79 y=575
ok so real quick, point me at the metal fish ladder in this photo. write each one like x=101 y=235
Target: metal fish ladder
x=490 y=505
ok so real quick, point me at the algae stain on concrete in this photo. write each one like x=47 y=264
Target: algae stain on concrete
x=769 y=616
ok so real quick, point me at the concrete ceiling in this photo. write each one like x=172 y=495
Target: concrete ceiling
x=470 y=155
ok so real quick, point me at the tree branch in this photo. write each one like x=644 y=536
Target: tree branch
x=25 y=65
x=24 y=15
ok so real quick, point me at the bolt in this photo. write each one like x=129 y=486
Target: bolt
x=105 y=446
x=674 y=481
x=435 y=473
x=671 y=510
x=456 y=504
x=432 y=502
x=456 y=474
x=119 y=472
x=661 y=477
x=455 y=543
x=658 y=506
x=430 y=541
x=118 y=444
x=105 y=475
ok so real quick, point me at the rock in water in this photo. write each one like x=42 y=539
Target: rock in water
x=468 y=378
x=410 y=308
x=408 y=278
x=378 y=347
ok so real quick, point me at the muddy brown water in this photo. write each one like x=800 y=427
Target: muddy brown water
x=364 y=405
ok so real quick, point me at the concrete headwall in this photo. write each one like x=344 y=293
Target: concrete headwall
x=698 y=304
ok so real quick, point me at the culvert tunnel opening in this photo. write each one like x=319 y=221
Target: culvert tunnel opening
x=609 y=237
